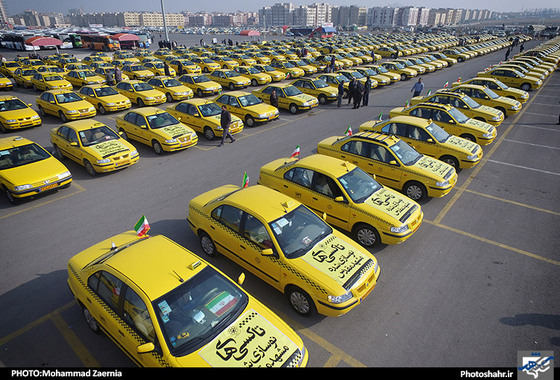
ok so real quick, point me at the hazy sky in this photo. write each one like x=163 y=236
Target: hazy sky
x=18 y=6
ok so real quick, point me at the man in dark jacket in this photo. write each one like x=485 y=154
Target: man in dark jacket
x=274 y=99
x=358 y=93
x=351 y=90
x=225 y=121
x=366 y=91
x=340 y=93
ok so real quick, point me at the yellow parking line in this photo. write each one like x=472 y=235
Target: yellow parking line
x=513 y=202
x=40 y=204
x=495 y=243
x=485 y=158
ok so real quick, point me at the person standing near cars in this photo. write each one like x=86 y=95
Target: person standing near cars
x=225 y=121
x=340 y=93
x=365 y=98
x=351 y=90
x=417 y=88
x=274 y=99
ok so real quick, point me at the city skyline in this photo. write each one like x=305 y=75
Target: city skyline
x=15 y=7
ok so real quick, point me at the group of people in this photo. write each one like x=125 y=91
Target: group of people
x=358 y=92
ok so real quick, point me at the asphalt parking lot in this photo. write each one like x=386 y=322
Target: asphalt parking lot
x=476 y=284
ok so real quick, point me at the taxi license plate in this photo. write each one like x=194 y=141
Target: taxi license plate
x=48 y=187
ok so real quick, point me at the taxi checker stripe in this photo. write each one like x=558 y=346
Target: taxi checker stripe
x=279 y=262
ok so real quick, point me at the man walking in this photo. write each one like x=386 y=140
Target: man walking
x=351 y=90
x=366 y=92
x=340 y=93
x=417 y=88
x=225 y=121
x=359 y=91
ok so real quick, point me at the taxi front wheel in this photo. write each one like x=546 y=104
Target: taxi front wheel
x=300 y=301
x=366 y=235
x=90 y=320
x=207 y=244
x=415 y=191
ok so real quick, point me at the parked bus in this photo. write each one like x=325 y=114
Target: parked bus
x=99 y=42
x=17 y=41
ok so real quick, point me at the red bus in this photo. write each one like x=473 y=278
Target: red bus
x=99 y=42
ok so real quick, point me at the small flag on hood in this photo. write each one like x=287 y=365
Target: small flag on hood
x=142 y=226
x=380 y=115
x=446 y=84
x=348 y=131
x=245 y=180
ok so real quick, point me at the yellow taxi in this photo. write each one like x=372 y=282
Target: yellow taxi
x=407 y=63
x=387 y=52
x=243 y=59
x=465 y=104
x=289 y=97
x=334 y=79
x=81 y=78
x=49 y=81
x=7 y=68
x=512 y=77
x=22 y=76
x=94 y=145
x=455 y=54
x=430 y=139
x=498 y=87
x=256 y=77
x=92 y=59
x=137 y=72
x=393 y=162
x=260 y=58
x=172 y=88
x=32 y=63
x=125 y=56
x=355 y=74
x=105 y=98
x=76 y=66
x=5 y=83
x=229 y=78
x=178 y=310
x=156 y=128
x=158 y=68
x=286 y=245
x=442 y=57
x=317 y=88
x=351 y=199
x=247 y=107
x=320 y=66
x=206 y=64
x=398 y=68
x=452 y=120
x=104 y=56
x=65 y=104
x=307 y=68
x=204 y=117
x=374 y=75
x=187 y=67
x=274 y=74
x=51 y=69
x=485 y=96
x=200 y=84
x=27 y=169
x=15 y=114
x=103 y=71
x=288 y=68
x=140 y=93
x=224 y=61
x=394 y=77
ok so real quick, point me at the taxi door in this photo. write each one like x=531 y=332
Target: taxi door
x=421 y=141
x=136 y=128
x=67 y=142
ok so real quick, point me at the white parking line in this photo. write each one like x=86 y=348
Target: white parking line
x=524 y=167
x=539 y=145
x=553 y=129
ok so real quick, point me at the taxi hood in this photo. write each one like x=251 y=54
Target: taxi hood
x=433 y=166
x=34 y=172
x=108 y=148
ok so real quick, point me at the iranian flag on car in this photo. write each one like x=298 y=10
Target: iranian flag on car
x=142 y=226
x=221 y=303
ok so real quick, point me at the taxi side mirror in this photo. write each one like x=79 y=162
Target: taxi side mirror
x=324 y=216
x=340 y=198
x=393 y=162
x=241 y=279
x=196 y=114
x=267 y=252
x=145 y=348
x=431 y=141
x=73 y=143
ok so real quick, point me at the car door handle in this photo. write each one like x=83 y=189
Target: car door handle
x=121 y=333
x=242 y=246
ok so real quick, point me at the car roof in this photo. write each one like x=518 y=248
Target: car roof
x=334 y=166
x=13 y=141
x=83 y=124
x=148 y=110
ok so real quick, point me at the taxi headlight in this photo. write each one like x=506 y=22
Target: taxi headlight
x=487 y=135
x=35 y=117
x=104 y=161
x=305 y=104
x=54 y=86
x=149 y=98
x=22 y=187
x=495 y=118
x=472 y=157
x=71 y=111
x=134 y=153
x=400 y=230
x=262 y=116
x=11 y=121
x=64 y=175
x=340 y=299
x=442 y=184
x=171 y=141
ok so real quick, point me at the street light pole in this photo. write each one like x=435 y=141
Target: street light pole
x=164 y=21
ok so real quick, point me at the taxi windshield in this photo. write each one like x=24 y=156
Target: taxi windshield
x=21 y=155
x=12 y=105
x=319 y=83
x=141 y=86
x=458 y=115
x=491 y=93
x=50 y=78
x=382 y=69
x=200 y=79
x=105 y=91
x=292 y=91
x=399 y=65
x=249 y=100
x=195 y=312
x=299 y=231
x=438 y=132
x=210 y=109
x=405 y=153
x=160 y=120
x=172 y=82
x=67 y=97
x=97 y=135
x=359 y=185
x=470 y=102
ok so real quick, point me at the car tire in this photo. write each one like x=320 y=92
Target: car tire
x=9 y=195
x=300 y=301
x=123 y=134
x=503 y=110
x=89 y=168
x=207 y=244
x=199 y=93
x=102 y=109
x=90 y=320
x=209 y=133
x=57 y=153
x=231 y=86
x=41 y=112
x=526 y=87
x=469 y=137
x=140 y=102
x=249 y=121
x=63 y=117
x=415 y=191
x=366 y=235
x=2 y=128
x=168 y=97
x=450 y=160
x=294 y=109
x=480 y=119
x=156 y=146
x=254 y=82
x=322 y=99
